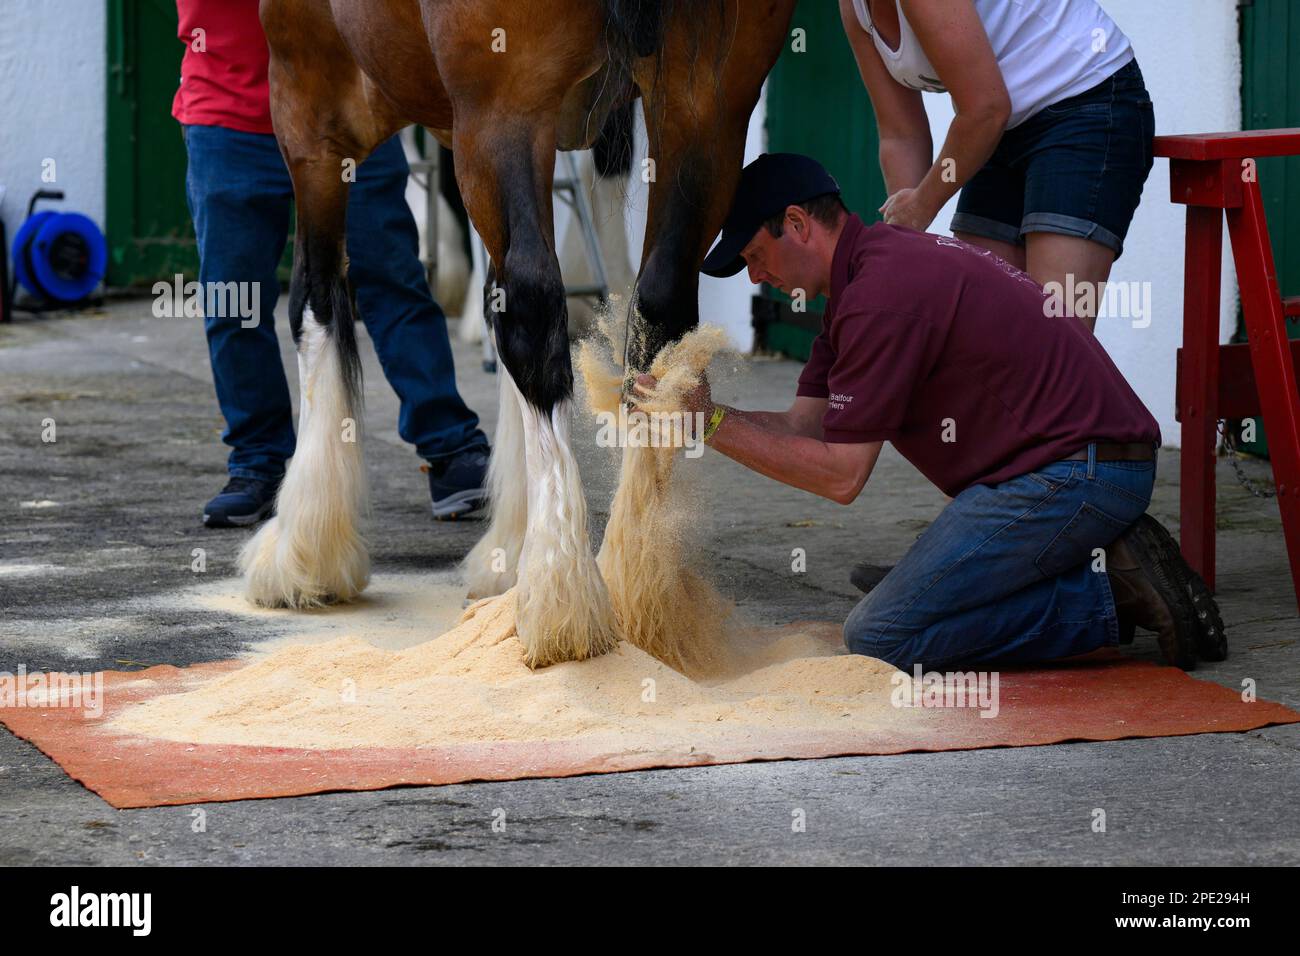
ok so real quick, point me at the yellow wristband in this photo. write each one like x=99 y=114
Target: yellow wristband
x=715 y=420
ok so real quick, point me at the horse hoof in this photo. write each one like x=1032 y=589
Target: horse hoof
x=273 y=578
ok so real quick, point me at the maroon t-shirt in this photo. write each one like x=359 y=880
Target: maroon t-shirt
x=946 y=350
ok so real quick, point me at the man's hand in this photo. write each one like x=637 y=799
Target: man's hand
x=699 y=399
x=787 y=446
x=906 y=208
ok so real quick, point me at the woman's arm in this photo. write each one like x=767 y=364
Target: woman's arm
x=954 y=40
x=906 y=148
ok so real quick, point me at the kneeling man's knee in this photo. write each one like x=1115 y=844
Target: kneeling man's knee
x=868 y=634
x=864 y=631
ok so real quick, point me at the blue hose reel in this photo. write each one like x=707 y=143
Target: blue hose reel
x=59 y=257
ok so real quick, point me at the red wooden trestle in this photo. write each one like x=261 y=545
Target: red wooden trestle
x=1215 y=175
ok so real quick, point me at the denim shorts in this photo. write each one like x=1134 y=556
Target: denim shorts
x=1075 y=168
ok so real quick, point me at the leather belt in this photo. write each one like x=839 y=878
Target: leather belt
x=1118 y=451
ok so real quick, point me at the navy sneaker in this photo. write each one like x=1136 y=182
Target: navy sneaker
x=458 y=485
x=244 y=501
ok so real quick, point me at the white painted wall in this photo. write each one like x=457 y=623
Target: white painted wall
x=53 y=69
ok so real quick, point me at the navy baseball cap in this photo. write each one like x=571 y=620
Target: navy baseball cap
x=767 y=186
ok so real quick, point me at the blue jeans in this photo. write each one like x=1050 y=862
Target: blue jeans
x=239 y=195
x=1008 y=572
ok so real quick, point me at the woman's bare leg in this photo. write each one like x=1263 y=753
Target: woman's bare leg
x=1052 y=258
x=1011 y=253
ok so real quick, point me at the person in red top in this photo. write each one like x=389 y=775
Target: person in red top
x=224 y=69
x=240 y=196
x=951 y=354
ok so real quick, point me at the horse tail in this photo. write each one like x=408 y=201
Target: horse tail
x=612 y=151
x=636 y=27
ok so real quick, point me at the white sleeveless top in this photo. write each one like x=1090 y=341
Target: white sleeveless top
x=1048 y=50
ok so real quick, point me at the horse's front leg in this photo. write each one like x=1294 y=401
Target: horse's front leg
x=563 y=610
x=312 y=551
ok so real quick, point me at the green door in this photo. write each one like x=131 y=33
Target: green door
x=817 y=105
x=1270 y=99
x=150 y=235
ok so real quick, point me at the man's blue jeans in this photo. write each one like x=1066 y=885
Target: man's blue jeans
x=239 y=196
x=1009 y=573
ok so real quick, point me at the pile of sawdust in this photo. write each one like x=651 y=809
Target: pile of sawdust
x=472 y=685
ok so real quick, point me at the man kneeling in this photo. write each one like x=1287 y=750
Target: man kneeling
x=1045 y=550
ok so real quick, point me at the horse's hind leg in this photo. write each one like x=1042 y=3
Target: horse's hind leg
x=312 y=551
x=696 y=118
x=697 y=106
x=492 y=565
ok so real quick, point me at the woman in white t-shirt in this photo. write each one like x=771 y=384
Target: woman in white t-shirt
x=1052 y=139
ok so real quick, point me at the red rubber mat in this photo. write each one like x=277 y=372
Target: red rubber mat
x=1098 y=697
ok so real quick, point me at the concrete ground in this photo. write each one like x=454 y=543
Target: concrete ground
x=97 y=523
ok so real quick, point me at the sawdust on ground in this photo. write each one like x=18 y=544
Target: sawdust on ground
x=470 y=685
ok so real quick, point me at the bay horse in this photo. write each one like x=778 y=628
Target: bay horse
x=503 y=84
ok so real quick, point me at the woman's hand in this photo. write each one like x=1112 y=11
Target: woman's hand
x=904 y=208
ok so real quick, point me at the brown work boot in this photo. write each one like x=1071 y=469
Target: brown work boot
x=1149 y=591
x=1211 y=637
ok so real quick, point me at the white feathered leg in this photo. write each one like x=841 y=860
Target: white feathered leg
x=473 y=324
x=492 y=565
x=563 y=611
x=453 y=264
x=312 y=552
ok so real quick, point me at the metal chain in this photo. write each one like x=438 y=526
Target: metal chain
x=1230 y=446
